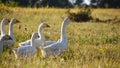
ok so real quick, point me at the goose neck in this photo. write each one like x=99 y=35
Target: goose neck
x=63 y=31
x=11 y=30
x=40 y=33
x=2 y=28
x=32 y=41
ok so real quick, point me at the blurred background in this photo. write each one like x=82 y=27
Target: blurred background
x=62 y=3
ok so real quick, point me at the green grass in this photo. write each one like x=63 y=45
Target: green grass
x=91 y=44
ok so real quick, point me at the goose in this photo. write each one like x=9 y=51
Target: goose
x=59 y=46
x=3 y=22
x=26 y=51
x=2 y=39
x=39 y=40
x=11 y=33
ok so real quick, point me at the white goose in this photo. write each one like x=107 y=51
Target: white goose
x=2 y=39
x=39 y=40
x=26 y=51
x=3 y=22
x=11 y=33
x=58 y=47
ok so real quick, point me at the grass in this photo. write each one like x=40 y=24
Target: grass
x=91 y=44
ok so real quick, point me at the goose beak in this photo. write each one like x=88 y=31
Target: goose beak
x=17 y=21
x=47 y=25
x=70 y=17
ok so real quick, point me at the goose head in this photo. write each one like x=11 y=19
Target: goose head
x=66 y=21
x=5 y=21
x=5 y=37
x=43 y=25
x=34 y=35
x=14 y=20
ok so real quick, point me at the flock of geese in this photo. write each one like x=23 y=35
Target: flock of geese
x=28 y=48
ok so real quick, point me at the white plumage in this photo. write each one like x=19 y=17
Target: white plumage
x=26 y=51
x=11 y=33
x=39 y=40
x=2 y=39
x=46 y=43
x=3 y=23
x=59 y=46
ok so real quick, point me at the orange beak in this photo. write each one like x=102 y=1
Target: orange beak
x=17 y=21
x=47 y=25
x=70 y=17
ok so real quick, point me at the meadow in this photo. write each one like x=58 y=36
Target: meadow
x=91 y=44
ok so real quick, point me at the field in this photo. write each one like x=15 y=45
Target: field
x=91 y=44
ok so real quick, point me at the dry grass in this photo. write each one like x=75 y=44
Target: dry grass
x=91 y=44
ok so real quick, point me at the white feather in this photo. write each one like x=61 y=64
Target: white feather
x=26 y=51
x=38 y=41
x=59 y=46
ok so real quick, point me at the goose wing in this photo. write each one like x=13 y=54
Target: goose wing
x=49 y=43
